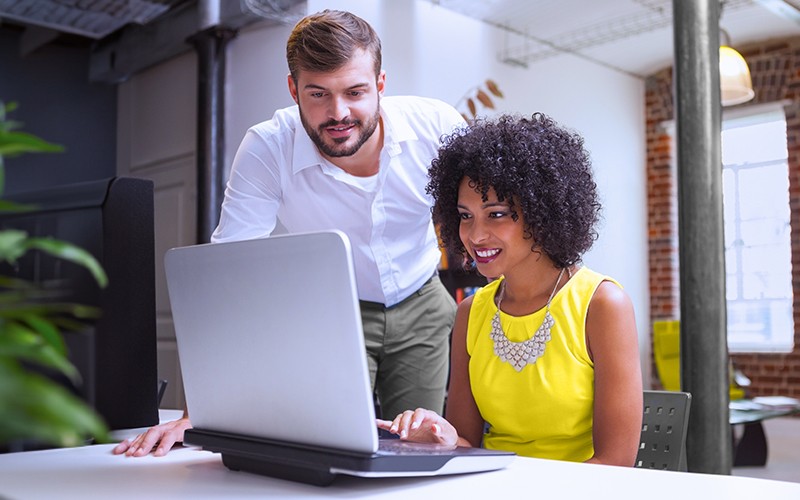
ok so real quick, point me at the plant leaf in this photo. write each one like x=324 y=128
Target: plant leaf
x=11 y=207
x=34 y=407
x=9 y=125
x=13 y=143
x=471 y=106
x=493 y=88
x=12 y=245
x=72 y=253
x=466 y=119
x=15 y=283
x=19 y=342
x=47 y=331
x=485 y=100
x=19 y=310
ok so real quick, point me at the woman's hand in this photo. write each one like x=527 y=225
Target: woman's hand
x=421 y=426
x=164 y=435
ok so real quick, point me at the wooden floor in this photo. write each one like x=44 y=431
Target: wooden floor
x=783 y=445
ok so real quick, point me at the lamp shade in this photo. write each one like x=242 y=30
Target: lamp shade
x=736 y=86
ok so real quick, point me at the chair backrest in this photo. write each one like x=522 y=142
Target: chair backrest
x=664 y=424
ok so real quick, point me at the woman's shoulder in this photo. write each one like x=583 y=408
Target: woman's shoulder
x=608 y=296
x=588 y=278
x=485 y=294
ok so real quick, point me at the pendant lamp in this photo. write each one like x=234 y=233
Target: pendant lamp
x=736 y=86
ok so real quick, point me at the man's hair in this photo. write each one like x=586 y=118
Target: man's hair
x=327 y=40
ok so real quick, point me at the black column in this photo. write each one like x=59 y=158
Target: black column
x=210 y=46
x=704 y=353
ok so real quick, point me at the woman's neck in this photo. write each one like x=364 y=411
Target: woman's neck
x=525 y=293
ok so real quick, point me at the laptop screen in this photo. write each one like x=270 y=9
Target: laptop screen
x=270 y=339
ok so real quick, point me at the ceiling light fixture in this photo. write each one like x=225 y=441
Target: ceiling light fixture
x=736 y=86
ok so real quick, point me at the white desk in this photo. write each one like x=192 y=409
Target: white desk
x=93 y=472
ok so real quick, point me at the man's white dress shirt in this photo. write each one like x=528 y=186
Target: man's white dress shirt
x=278 y=174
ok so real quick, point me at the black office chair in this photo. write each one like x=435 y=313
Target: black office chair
x=664 y=423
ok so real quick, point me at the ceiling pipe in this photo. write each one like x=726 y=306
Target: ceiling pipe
x=210 y=44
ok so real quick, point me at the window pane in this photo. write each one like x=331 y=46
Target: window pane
x=766 y=190
x=729 y=206
x=737 y=143
x=766 y=232
x=757 y=239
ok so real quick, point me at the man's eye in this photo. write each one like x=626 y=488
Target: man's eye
x=317 y=94
x=356 y=93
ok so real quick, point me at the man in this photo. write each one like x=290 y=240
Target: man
x=345 y=158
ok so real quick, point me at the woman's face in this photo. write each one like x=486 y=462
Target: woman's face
x=494 y=240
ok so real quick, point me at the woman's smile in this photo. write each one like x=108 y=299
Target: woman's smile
x=486 y=255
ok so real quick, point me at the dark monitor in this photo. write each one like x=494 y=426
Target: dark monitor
x=115 y=354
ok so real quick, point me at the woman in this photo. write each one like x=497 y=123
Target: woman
x=546 y=354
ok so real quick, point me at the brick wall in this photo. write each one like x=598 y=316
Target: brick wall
x=775 y=70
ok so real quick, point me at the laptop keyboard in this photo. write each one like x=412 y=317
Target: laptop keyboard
x=399 y=447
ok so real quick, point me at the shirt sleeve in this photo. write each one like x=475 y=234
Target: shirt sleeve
x=253 y=193
x=451 y=119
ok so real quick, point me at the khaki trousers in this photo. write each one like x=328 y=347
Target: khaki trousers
x=408 y=349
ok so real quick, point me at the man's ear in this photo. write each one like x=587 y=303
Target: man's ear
x=381 y=82
x=292 y=87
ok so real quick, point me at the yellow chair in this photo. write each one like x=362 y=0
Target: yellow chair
x=667 y=353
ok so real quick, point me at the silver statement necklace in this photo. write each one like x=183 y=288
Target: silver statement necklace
x=520 y=354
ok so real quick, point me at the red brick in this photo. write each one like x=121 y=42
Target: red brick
x=775 y=70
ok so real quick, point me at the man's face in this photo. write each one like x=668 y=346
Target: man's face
x=340 y=109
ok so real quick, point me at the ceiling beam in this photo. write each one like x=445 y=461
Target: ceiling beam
x=34 y=37
x=787 y=9
x=116 y=58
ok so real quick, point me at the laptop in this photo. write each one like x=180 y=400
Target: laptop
x=274 y=365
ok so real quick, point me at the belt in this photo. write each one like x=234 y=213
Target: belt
x=380 y=305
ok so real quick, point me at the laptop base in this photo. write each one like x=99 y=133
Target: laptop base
x=320 y=466
x=296 y=473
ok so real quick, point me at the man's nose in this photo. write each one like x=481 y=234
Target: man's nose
x=339 y=109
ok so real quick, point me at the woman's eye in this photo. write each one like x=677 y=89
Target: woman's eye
x=463 y=216
x=497 y=215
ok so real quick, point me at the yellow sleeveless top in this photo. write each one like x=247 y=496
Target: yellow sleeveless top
x=544 y=410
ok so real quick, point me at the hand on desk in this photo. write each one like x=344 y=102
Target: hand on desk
x=164 y=435
x=421 y=426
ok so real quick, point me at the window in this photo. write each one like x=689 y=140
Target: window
x=755 y=180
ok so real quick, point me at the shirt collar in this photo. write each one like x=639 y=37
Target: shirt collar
x=395 y=131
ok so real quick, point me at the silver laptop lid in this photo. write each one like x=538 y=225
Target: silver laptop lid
x=270 y=339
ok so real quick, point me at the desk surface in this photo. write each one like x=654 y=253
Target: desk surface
x=92 y=471
x=745 y=411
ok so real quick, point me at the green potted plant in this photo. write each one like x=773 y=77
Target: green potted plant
x=33 y=407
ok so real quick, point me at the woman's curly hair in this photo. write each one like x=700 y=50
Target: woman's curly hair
x=541 y=169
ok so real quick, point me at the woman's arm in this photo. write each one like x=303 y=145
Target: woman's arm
x=461 y=411
x=464 y=425
x=613 y=345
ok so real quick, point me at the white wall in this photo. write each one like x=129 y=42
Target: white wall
x=430 y=51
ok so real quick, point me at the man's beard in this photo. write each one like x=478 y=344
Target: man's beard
x=339 y=149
